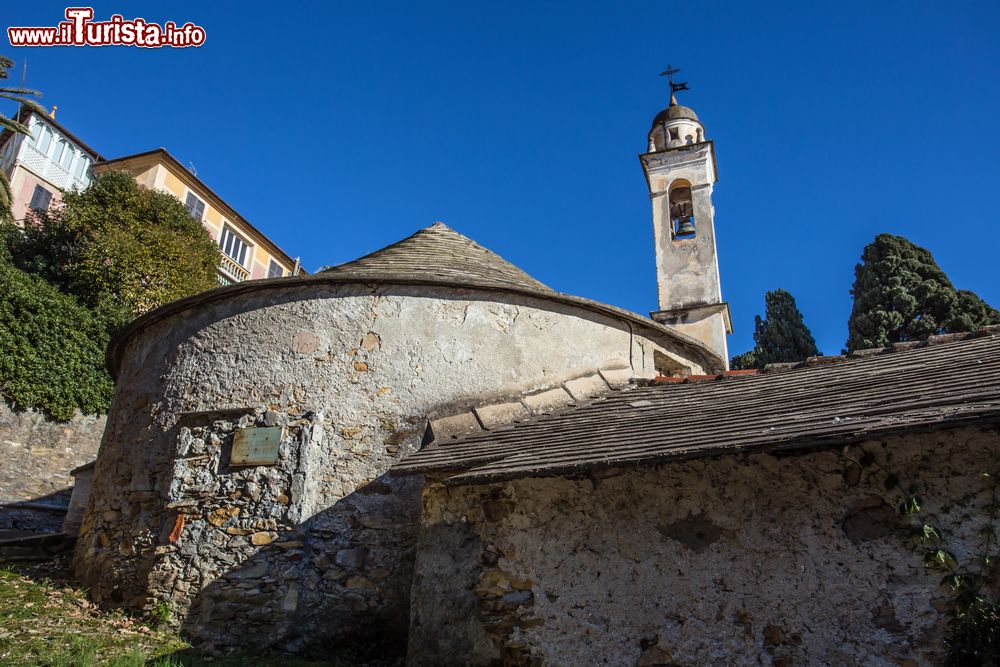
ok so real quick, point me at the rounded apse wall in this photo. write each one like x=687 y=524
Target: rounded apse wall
x=319 y=543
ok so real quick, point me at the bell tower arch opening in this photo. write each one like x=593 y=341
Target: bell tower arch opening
x=682 y=224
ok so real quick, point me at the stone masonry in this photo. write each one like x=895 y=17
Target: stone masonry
x=319 y=547
x=739 y=560
x=38 y=455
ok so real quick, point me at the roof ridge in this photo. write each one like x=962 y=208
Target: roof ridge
x=988 y=330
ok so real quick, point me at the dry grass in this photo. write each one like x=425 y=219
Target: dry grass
x=47 y=622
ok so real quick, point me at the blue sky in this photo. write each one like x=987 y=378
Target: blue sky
x=338 y=128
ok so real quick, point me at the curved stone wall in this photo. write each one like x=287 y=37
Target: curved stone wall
x=320 y=545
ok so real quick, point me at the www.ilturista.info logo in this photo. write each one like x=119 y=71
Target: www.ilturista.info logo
x=79 y=29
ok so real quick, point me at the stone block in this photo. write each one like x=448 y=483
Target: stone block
x=454 y=426
x=223 y=514
x=291 y=600
x=585 y=387
x=501 y=413
x=255 y=571
x=617 y=377
x=370 y=341
x=351 y=557
x=304 y=342
x=360 y=583
x=261 y=539
x=548 y=400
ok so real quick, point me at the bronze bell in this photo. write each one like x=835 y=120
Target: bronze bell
x=685 y=227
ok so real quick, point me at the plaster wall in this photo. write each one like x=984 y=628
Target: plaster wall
x=687 y=271
x=215 y=219
x=319 y=546
x=707 y=324
x=740 y=560
x=23 y=187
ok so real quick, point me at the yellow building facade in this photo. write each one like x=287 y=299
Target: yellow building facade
x=247 y=254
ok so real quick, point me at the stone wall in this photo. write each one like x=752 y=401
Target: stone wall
x=757 y=559
x=37 y=456
x=320 y=546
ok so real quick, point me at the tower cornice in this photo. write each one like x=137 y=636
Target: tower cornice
x=678 y=158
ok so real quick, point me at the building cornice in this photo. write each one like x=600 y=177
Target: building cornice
x=646 y=158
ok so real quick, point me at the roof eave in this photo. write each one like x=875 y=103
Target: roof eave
x=799 y=446
x=116 y=348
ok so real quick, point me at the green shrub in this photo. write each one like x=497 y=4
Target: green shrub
x=52 y=348
x=117 y=242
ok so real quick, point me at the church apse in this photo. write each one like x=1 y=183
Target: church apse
x=299 y=540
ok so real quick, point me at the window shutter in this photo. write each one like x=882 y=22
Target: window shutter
x=40 y=198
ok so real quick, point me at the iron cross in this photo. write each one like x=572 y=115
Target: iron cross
x=669 y=73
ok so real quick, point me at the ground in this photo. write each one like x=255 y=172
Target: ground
x=48 y=622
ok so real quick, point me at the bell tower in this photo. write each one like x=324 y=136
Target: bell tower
x=680 y=172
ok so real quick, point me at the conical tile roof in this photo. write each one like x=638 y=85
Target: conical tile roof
x=440 y=254
x=434 y=255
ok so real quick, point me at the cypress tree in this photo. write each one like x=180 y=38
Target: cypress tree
x=901 y=294
x=782 y=336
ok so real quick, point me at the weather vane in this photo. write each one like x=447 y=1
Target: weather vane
x=674 y=87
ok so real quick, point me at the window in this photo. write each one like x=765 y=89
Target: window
x=44 y=140
x=67 y=158
x=675 y=134
x=274 y=270
x=57 y=152
x=36 y=132
x=234 y=246
x=195 y=206
x=81 y=167
x=40 y=198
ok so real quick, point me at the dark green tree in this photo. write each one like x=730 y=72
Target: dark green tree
x=901 y=294
x=117 y=246
x=21 y=96
x=781 y=336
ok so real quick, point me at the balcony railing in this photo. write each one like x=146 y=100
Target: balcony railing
x=42 y=165
x=231 y=272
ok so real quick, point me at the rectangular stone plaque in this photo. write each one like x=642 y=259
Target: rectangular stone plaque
x=256 y=446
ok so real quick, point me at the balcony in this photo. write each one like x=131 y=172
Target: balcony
x=230 y=272
x=54 y=173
